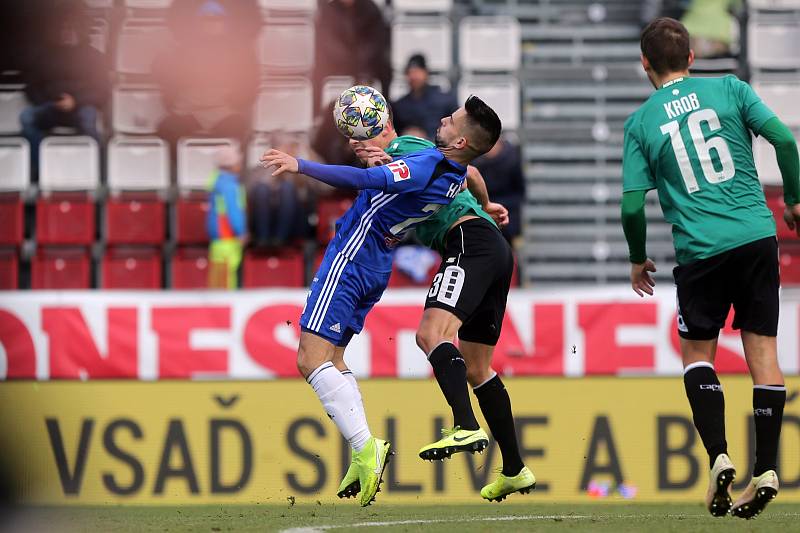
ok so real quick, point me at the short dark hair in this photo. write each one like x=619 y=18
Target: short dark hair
x=483 y=123
x=665 y=44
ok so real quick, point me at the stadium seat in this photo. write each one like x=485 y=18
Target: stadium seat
x=12 y=102
x=422 y=6
x=400 y=279
x=138 y=43
x=135 y=218
x=332 y=87
x=98 y=35
x=287 y=46
x=782 y=98
x=136 y=109
x=191 y=210
x=196 y=161
x=282 y=268
x=307 y=7
x=9 y=269
x=284 y=105
x=99 y=4
x=131 y=268
x=431 y=36
x=14 y=164
x=148 y=4
x=189 y=268
x=69 y=164
x=65 y=218
x=773 y=45
x=500 y=92
x=61 y=268
x=766 y=162
x=790 y=264
x=779 y=5
x=329 y=209
x=138 y=164
x=489 y=44
x=12 y=223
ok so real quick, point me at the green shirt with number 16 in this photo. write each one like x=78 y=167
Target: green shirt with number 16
x=691 y=141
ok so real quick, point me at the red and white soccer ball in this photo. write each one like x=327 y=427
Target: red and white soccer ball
x=361 y=113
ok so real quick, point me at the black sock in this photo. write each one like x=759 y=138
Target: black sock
x=708 y=408
x=496 y=408
x=768 y=412
x=451 y=373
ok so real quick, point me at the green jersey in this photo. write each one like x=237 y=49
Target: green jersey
x=432 y=232
x=691 y=141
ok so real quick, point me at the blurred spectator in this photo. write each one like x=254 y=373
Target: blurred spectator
x=425 y=104
x=652 y=9
x=502 y=169
x=352 y=39
x=277 y=211
x=711 y=24
x=244 y=17
x=226 y=222
x=416 y=131
x=67 y=81
x=209 y=81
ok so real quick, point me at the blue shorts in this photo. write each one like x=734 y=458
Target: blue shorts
x=341 y=294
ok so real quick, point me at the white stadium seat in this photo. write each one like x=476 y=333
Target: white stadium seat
x=422 y=6
x=69 y=164
x=98 y=35
x=14 y=164
x=430 y=36
x=138 y=44
x=11 y=105
x=774 y=4
x=782 y=98
x=489 y=44
x=773 y=45
x=284 y=105
x=766 y=163
x=293 y=6
x=499 y=92
x=148 y=4
x=288 y=46
x=333 y=86
x=138 y=164
x=136 y=109
x=196 y=161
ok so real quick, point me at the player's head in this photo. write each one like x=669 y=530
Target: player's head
x=384 y=138
x=665 y=49
x=470 y=131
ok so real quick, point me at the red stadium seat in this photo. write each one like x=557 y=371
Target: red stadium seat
x=9 y=269
x=11 y=219
x=189 y=268
x=131 y=268
x=776 y=205
x=399 y=279
x=328 y=212
x=284 y=268
x=191 y=211
x=65 y=218
x=790 y=265
x=135 y=218
x=61 y=268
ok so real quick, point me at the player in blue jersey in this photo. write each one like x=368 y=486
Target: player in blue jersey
x=358 y=262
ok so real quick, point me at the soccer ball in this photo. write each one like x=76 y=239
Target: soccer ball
x=360 y=113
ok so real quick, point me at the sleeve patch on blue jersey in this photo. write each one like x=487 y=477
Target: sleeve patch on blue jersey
x=400 y=170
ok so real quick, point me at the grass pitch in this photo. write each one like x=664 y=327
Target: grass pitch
x=304 y=518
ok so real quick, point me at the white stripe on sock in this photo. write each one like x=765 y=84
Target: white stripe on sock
x=698 y=365
x=770 y=387
x=494 y=374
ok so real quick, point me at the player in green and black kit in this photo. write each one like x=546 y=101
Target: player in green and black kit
x=467 y=297
x=691 y=141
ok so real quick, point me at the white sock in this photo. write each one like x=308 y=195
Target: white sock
x=342 y=404
x=351 y=378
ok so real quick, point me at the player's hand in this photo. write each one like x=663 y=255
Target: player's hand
x=641 y=280
x=498 y=212
x=372 y=156
x=280 y=161
x=791 y=215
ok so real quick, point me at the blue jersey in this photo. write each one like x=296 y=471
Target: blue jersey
x=394 y=198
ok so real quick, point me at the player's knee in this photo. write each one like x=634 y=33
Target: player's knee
x=427 y=339
x=305 y=363
x=477 y=375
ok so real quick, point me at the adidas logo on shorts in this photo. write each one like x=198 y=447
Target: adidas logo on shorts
x=337 y=328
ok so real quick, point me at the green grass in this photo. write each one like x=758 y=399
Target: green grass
x=528 y=516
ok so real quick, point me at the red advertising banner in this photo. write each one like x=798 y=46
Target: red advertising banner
x=254 y=335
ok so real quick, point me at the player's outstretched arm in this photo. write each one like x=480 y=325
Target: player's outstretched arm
x=335 y=175
x=781 y=137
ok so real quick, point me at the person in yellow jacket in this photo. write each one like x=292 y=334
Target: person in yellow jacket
x=227 y=220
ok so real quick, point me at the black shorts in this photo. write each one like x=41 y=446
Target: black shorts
x=746 y=277
x=474 y=279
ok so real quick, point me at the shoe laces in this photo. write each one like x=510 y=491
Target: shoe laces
x=447 y=432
